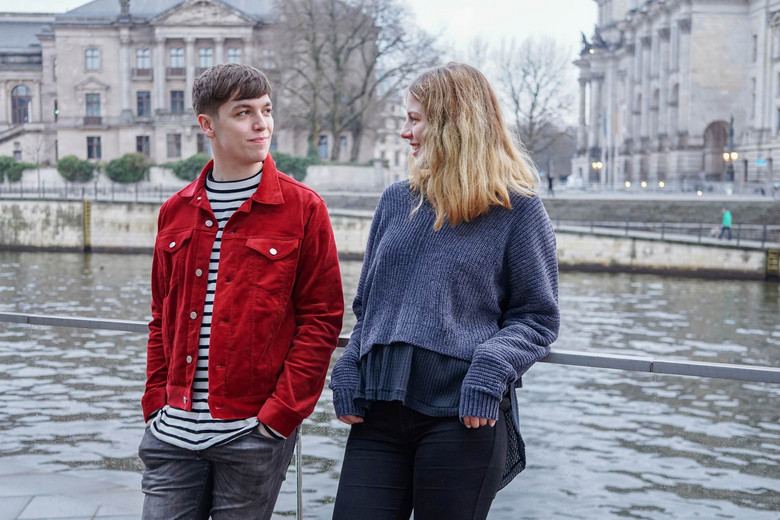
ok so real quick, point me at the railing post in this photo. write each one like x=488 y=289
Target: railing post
x=299 y=475
x=591 y=226
x=663 y=228
x=739 y=228
x=83 y=192
x=136 y=192
x=700 y=226
x=112 y=192
x=43 y=193
x=763 y=236
x=628 y=220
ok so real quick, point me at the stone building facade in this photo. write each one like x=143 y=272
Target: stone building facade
x=115 y=76
x=661 y=82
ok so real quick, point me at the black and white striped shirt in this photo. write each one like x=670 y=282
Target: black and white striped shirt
x=198 y=430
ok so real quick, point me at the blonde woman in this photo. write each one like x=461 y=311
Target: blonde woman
x=457 y=298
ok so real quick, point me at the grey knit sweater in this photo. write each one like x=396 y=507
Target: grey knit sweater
x=484 y=291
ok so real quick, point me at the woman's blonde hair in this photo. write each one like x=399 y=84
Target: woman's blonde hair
x=468 y=161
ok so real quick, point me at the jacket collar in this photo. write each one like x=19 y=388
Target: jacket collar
x=268 y=192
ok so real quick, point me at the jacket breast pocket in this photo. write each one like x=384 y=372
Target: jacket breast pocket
x=274 y=261
x=172 y=247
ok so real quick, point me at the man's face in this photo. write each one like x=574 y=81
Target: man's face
x=241 y=131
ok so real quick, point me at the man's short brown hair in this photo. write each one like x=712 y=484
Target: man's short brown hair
x=221 y=83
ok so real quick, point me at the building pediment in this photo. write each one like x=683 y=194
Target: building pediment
x=91 y=84
x=203 y=13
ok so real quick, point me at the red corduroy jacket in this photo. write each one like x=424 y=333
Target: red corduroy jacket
x=277 y=309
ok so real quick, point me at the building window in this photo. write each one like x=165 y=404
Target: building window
x=754 y=54
x=93 y=147
x=234 y=56
x=343 y=145
x=174 y=145
x=177 y=58
x=93 y=109
x=143 y=59
x=268 y=59
x=21 y=104
x=177 y=101
x=92 y=59
x=322 y=147
x=142 y=145
x=56 y=111
x=143 y=100
x=204 y=146
x=753 y=97
x=205 y=57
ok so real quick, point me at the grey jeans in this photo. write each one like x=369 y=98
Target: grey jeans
x=237 y=480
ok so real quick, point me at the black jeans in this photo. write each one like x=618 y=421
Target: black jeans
x=398 y=460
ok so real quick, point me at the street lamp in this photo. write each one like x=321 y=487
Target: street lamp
x=661 y=184
x=644 y=184
x=597 y=165
x=628 y=184
x=730 y=156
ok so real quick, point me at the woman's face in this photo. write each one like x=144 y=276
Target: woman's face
x=415 y=124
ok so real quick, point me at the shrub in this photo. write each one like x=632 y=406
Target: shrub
x=131 y=167
x=293 y=166
x=76 y=170
x=12 y=169
x=189 y=169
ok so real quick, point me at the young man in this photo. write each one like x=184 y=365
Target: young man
x=246 y=311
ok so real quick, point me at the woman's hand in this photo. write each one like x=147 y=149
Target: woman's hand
x=476 y=422
x=351 y=419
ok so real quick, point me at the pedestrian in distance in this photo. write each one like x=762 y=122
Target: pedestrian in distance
x=550 y=181
x=456 y=300
x=246 y=311
x=726 y=225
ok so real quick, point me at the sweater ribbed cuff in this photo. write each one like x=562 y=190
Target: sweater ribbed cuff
x=476 y=403
x=344 y=403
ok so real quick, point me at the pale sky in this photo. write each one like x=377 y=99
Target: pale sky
x=456 y=21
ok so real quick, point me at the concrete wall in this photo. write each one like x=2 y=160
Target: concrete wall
x=607 y=253
x=124 y=227
x=327 y=177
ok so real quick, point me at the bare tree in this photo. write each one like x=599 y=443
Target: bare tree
x=353 y=55
x=532 y=77
x=37 y=148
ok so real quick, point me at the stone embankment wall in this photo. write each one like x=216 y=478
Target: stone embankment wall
x=585 y=209
x=131 y=227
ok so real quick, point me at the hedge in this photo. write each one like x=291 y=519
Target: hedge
x=293 y=166
x=189 y=168
x=131 y=167
x=12 y=169
x=76 y=170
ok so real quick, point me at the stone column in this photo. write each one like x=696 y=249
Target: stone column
x=126 y=114
x=158 y=100
x=663 y=81
x=248 y=52
x=646 y=90
x=189 y=61
x=35 y=117
x=5 y=103
x=583 y=125
x=219 y=50
x=685 y=75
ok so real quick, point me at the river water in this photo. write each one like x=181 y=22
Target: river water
x=601 y=443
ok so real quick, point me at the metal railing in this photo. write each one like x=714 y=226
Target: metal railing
x=744 y=235
x=560 y=357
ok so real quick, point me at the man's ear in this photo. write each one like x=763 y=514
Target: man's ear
x=206 y=125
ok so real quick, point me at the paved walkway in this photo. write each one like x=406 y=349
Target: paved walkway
x=31 y=494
